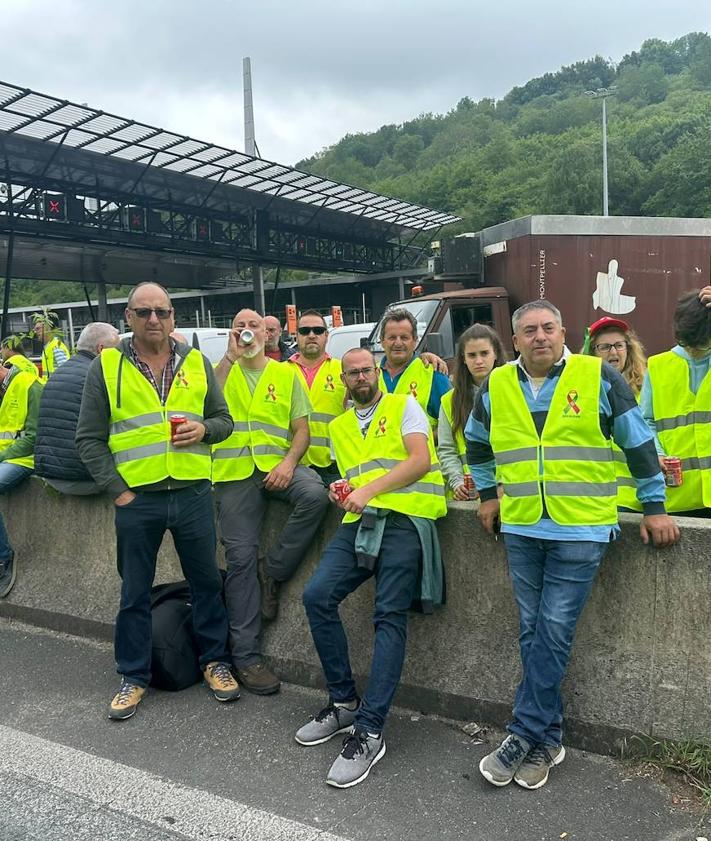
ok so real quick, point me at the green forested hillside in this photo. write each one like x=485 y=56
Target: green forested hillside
x=539 y=150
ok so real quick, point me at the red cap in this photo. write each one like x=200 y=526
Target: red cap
x=607 y=323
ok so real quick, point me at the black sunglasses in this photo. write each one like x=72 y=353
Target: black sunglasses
x=317 y=331
x=145 y=312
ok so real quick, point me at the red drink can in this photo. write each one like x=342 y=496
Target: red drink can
x=672 y=472
x=341 y=489
x=469 y=485
x=175 y=422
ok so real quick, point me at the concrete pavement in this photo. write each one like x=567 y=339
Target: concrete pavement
x=188 y=767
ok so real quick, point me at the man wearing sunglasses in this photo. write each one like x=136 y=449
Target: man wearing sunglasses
x=259 y=461
x=159 y=479
x=320 y=375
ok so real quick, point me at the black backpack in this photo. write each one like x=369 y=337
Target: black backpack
x=174 y=654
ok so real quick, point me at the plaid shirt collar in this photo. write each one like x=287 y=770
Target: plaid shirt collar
x=162 y=386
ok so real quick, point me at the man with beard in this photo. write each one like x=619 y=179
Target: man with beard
x=259 y=461
x=321 y=377
x=384 y=449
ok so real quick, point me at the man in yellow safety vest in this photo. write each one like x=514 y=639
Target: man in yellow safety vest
x=261 y=460
x=385 y=450
x=320 y=375
x=20 y=392
x=542 y=427
x=150 y=409
x=54 y=351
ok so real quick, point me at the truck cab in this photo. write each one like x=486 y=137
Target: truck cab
x=443 y=317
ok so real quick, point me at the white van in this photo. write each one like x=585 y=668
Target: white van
x=341 y=339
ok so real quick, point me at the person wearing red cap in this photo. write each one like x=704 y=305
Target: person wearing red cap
x=616 y=343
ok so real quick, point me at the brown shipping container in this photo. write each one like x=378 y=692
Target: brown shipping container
x=634 y=268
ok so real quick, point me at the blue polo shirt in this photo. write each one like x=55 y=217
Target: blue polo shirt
x=440 y=386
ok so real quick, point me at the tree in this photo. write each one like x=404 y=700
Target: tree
x=644 y=84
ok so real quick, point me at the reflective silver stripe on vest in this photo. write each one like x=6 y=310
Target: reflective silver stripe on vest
x=316 y=441
x=581 y=488
x=463 y=459
x=240 y=426
x=148 y=419
x=577 y=453
x=145 y=451
x=519 y=454
x=664 y=424
x=420 y=487
x=271 y=429
x=321 y=417
x=521 y=488
x=8 y=436
x=619 y=456
x=626 y=481
x=231 y=452
x=268 y=450
x=367 y=466
x=137 y=422
x=694 y=463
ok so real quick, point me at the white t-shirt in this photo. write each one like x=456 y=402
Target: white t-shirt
x=414 y=419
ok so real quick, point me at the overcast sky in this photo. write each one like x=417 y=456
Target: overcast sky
x=320 y=68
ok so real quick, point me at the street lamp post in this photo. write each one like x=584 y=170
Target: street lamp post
x=603 y=93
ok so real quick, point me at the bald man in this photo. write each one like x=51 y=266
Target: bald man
x=274 y=347
x=259 y=461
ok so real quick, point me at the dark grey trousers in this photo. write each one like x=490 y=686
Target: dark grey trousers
x=240 y=510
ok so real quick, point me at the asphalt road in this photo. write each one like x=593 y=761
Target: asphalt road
x=186 y=767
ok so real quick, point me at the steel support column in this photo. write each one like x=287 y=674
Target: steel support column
x=8 y=281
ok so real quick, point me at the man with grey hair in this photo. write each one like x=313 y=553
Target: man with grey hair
x=542 y=427
x=56 y=458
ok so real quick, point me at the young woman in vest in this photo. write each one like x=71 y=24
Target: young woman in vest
x=616 y=343
x=479 y=350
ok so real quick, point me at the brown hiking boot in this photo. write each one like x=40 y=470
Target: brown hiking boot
x=270 y=592
x=258 y=679
x=218 y=678
x=126 y=700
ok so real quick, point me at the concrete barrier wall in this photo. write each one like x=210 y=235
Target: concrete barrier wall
x=641 y=661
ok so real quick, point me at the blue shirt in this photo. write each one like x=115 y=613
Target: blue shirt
x=440 y=386
x=620 y=420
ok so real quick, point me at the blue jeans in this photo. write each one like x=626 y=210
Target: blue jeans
x=10 y=476
x=552 y=580
x=140 y=527
x=397 y=573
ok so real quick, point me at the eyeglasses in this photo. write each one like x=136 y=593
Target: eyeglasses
x=355 y=373
x=145 y=312
x=606 y=347
x=317 y=331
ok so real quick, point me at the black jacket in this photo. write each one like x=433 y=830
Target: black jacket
x=56 y=455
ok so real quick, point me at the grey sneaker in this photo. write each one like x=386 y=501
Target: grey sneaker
x=360 y=752
x=7 y=575
x=533 y=771
x=325 y=724
x=501 y=764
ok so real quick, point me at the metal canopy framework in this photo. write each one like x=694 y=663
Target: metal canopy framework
x=84 y=175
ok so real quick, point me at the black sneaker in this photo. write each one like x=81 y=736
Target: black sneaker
x=330 y=721
x=361 y=750
x=8 y=571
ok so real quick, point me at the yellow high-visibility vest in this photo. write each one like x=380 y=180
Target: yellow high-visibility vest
x=13 y=414
x=48 y=366
x=139 y=433
x=327 y=394
x=23 y=364
x=416 y=380
x=570 y=463
x=683 y=421
x=262 y=423
x=362 y=460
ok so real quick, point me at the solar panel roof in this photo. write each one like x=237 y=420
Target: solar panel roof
x=52 y=120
